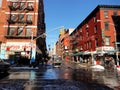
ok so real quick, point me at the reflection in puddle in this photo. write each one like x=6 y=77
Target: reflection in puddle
x=23 y=75
x=32 y=75
x=50 y=74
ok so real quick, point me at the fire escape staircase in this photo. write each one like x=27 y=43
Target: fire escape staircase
x=18 y=19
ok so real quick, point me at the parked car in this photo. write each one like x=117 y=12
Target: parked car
x=4 y=66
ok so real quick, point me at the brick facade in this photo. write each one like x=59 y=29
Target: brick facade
x=19 y=26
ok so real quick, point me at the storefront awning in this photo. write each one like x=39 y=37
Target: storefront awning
x=106 y=52
x=76 y=54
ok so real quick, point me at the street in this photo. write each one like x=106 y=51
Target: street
x=70 y=76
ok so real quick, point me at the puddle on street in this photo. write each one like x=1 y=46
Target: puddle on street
x=108 y=78
x=22 y=75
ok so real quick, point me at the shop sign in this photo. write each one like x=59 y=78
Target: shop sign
x=105 y=48
x=19 y=46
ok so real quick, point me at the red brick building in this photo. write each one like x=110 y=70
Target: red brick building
x=21 y=21
x=98 y=32
x=63 y=44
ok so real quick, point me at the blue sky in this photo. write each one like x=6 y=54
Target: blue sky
x=68 y=13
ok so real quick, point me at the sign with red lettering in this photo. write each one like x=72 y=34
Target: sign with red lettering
x=19 y=46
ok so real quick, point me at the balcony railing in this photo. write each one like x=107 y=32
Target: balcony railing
x=11 y=21
x=30 y=8
x=13 y=6
x=29 y=21
x=21 y=21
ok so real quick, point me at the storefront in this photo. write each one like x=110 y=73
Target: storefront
x=103 y=52
x=15 y=50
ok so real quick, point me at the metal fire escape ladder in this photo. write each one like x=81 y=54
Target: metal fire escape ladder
x=21 y=19
x=24 y=8
x=13 y=5
x=20 y=29
x=29 y=7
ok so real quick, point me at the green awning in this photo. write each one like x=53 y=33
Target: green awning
x=76 y=54
x=79 y=53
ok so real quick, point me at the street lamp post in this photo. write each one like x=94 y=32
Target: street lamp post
x=43 y=35
x=31 y=45
x=116 y=48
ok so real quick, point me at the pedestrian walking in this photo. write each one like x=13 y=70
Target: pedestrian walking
x=81 y=59
x=111 y=63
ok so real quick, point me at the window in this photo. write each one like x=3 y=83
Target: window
x=106 y=25
x=96 y=41
x=90 y=44
x=20 y=30
x=80 y=37
x=105 y=14
x=28 y=31
x=13 y=17
x=21 y=17
x=22 y=5
x=95 y=19
x=87 y=33
x=29 y=17
x=87 y=45
x=15 y=4
x=95 y=29
x=107 y=40
x=30 y=6
x=115 y=13
x=11 y=31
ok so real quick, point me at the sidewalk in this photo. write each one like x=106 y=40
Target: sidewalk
x=81 y=65
x=78 y=65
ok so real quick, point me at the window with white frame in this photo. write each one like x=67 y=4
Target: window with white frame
x=21 y=17
x=11 y=31
x=105 y=14
x=15 y=4
x=90 y=44
x=30 y=4
x=29 y=17
x=13 y=17
x=106 y=25
x=107 y=40
x=95 y=29
x=20 y=31
x=96 y=42
x=22 y=5
x=28 y=31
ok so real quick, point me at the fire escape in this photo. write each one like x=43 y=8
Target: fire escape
x=18 y=19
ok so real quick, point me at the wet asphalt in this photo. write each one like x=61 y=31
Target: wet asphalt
x=70 y=76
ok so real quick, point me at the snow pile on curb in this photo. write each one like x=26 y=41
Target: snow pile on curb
x=97 y=68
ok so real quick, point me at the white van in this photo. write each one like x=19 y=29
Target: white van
x=56 y=61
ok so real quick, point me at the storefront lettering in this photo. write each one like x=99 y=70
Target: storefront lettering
x=18 y=47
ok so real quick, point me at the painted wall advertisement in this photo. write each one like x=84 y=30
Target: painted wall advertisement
x=10 y=48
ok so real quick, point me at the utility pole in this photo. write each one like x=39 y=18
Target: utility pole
x=31 y=47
